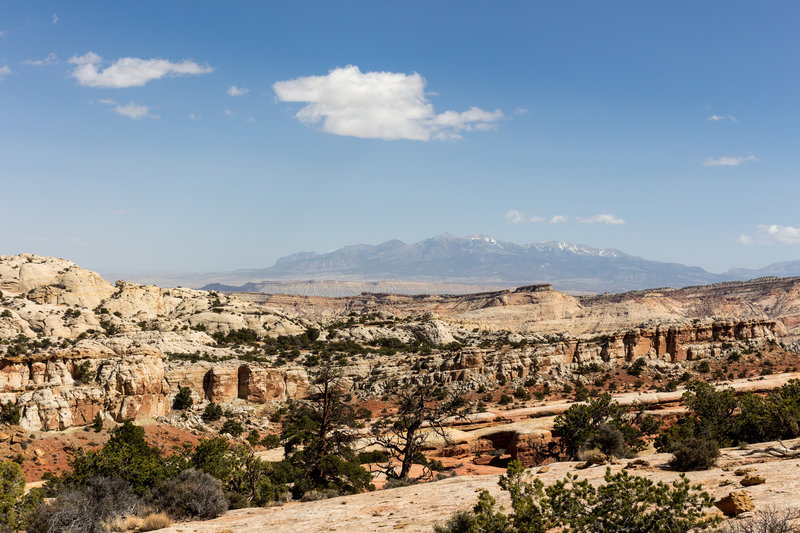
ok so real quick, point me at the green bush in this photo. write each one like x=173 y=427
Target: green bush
x=97 y=424
x=126 y=455
x=623 y=503
x=602 y=423
x=232 y=427
x=12 y=487
x=212 y=412
x=10 y=414
x=694 y=453
x=183 y=400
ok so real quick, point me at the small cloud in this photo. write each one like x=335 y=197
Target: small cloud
x=55 y=18
x=604 y=218
x=717 y=118
x=129 y=71
x=49 y=60
x=130 y=110
x=120 y=212
x=227 y=112
x=772 y=234
x=557 y=219
x=192 y=116
x=515 y=217
x=4 y=71
x=2 y=33
x=536 y=219
x=378 y=105
x=521 y=111
x=250 y=119
x=233 y=90
x=728 y=161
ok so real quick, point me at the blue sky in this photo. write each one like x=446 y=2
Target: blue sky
x=189 y=136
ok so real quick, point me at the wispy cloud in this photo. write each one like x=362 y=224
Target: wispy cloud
x=4 y=71
x=378 y=105
x=227 y=112
x=728 y=161
x=603 y=218
x=130 y=110
x=129 y=71
x=193 y=116
x=536 y=218
x=515 y=217
x=233 y=90
x=558 y=219
x=55 y=18
x=49 y=60
x=718 y=118
x=772 y=234
x=521 y=111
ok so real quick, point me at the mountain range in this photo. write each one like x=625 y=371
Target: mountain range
x=441 y=263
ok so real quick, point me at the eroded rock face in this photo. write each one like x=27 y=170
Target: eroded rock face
x=227 y=381
x=123 y=385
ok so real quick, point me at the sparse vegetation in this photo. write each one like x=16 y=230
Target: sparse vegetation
x=623 y=503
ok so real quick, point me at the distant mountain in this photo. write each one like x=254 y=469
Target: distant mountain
x=480 y=259
x=783 y=269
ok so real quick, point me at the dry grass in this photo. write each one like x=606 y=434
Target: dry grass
x=125 y=523
x=154 y=521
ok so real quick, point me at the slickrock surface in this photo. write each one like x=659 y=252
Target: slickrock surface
x=419 y=507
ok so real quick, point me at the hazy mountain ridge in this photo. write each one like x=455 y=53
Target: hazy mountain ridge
x=480 y=259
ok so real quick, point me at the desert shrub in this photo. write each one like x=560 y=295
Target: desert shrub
x=637 y=367
x=193 y=494
x=212 y=412
x=723 y=416
x=694 y=453
x=505 y=399
x=87 y=508
x=601 y=423
x=232 y=427
x=521 y=393
x=10 y=413
x=623 y=503
x=12 y=487
x=610 y=440
x=253 y=437
x=126 y=455
x=97 y=424
x=183 y=400
x=769 y=520
x=84 y=372
x=458 y=522
x=271 y=441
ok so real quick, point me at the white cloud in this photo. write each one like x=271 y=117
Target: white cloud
x=129 y=71
x=4 y=71
x=537 y=218
x=378 y=105
x=515 y=217
x=521 y=111
x=717 y=118
x=603 y=218
x=772 y=234
x=252 y=120
x=227 y=112
x=55 y=18
x=557 y=219
x=130 y=110
x=192 y=116
x=233 y=90
x=728 y=161
x=49 y=60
